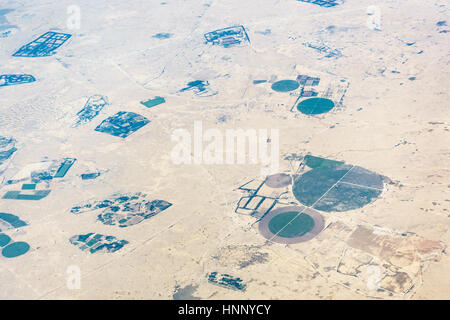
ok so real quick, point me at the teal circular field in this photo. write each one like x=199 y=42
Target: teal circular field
x=337 y=188
x=4 y=239
x=285 y=85
x=291 y=224
x=15 y=249
x=315 y=106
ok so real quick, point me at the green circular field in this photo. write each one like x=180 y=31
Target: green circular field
x=315 y=106
x=285 y=85
x=291 y=224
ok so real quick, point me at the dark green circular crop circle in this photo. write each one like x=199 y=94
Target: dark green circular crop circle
x=285 y=85
x=337 y=189
x=15 y=249
x=315 y=106
x=291 y=224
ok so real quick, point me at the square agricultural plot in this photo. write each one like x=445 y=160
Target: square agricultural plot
x=94 y=242
x=43 y=46
x=228 y=37
x=122 y=124
x=262 y=195
x=306 y=80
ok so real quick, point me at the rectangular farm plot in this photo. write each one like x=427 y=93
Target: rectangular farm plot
x=64 y=167
x=90 y=176
x=12 y=79
x=153 y=102
x=43 y=46
x=28 y=186
x=228 y=37
x=22 y=195
x=122 y=124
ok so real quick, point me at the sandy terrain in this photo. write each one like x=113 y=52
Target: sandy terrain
x=390 y=89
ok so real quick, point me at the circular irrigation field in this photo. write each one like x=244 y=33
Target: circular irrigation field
x=278 y=180
x=15 y=249
x=285 y=85
x=337 y=188
x=291 y=224
x=315 y=106
x=12 y=249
